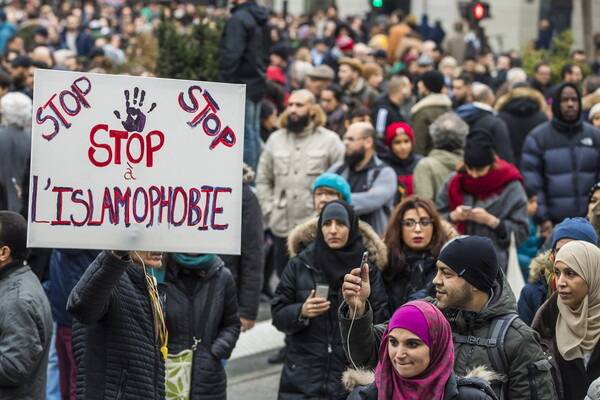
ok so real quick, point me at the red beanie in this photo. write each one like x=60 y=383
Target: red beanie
x=398 y=128
x=276 y=74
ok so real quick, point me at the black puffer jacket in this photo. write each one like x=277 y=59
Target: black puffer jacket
x=114 y=341
x=243 y=55
x=315 y=359
x=186 y=300
x=521 y=110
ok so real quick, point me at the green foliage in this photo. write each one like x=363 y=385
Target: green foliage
x=556 y=57
x=188 y=53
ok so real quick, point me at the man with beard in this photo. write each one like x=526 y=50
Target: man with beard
x=355 y=87
x=560 y=158
x=291 y=160
x=473 y=294
x=372 y=181
x=19 y=73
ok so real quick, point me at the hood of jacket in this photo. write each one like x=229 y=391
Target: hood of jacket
x=432 y=100
x=304 y=234
x=472 y=112
x=259 y=13
x=589 y=100
x=448 y=159
x=502 y=302
x=521 y=102
x=353 y=378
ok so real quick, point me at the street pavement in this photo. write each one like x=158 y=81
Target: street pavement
x=249 y=375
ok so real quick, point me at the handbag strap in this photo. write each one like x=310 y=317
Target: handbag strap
x=212 y=286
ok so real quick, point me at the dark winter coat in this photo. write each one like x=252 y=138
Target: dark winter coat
x=522 y=109
x=481 y=116
x=25 y=333
x=83 y=42
x=404 y=171
x=15 y=148
x=563 y=162
x=385 y=112
x=415 y=282
x=528 y=368
x=114 y=340
x=315 y=359
x=66 y=268
x=456 y=389
x=247 y=268
x=215 y=320
x=243 y=55
x=510 y=206
x=573 y=377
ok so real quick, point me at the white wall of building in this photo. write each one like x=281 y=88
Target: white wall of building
x=513 y=22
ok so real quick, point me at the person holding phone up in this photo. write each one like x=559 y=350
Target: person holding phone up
x=315 y=359
x=486 y=197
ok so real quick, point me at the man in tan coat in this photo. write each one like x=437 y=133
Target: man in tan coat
x=292 y=159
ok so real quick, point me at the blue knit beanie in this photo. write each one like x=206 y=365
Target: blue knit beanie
x=333 y=181
x=575 y=228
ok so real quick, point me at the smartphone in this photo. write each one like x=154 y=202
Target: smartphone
x=466 y=208
x=363 y=269
x=322 y=290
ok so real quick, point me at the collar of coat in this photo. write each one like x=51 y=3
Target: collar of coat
x=432 y=100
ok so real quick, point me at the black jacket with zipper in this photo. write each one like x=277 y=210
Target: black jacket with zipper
x=114 y=341
x=204 y=308
x=315 y=359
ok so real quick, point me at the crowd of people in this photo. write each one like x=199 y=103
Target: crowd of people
x=394 y=175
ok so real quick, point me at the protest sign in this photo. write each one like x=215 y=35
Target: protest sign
x=132 y=163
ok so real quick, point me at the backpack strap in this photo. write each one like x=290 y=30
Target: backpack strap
x=494 y=344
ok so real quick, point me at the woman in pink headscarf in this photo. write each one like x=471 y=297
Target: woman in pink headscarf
x=416 y=358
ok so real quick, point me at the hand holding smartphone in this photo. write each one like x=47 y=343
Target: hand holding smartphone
x=363 y=268
x=322 y=290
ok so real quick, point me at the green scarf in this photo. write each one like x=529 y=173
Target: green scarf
x=204 y=261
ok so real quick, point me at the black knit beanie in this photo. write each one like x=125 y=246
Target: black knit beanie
x=479 y=148
x=335 y=211
x=433 y=80
x=473 y=258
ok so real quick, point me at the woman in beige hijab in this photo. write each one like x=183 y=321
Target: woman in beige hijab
x=569 y=321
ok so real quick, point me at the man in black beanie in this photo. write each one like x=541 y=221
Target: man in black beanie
x=433 y=104
x=473 y=294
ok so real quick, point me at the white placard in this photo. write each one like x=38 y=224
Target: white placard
x=132 y=163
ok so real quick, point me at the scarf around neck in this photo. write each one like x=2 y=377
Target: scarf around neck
x=431 y=383
x=501 y=174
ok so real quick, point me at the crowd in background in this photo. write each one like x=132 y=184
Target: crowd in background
x=417 y=149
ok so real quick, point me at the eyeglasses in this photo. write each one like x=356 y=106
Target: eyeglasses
x=410 y=223
x=352 y=139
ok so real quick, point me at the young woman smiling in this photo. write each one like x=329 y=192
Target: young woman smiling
x=416 y=357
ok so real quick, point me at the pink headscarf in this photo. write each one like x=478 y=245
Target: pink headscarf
x=421 y=318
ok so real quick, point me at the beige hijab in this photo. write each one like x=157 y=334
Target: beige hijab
x=578 y=330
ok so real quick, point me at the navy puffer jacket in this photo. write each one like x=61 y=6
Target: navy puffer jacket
x=562 y=160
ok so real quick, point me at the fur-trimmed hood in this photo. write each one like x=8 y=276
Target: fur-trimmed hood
x=306 y=233
x=589 y=100
x=432 y=100
x=522 y=92
x=537 y=265
x=353 y=378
